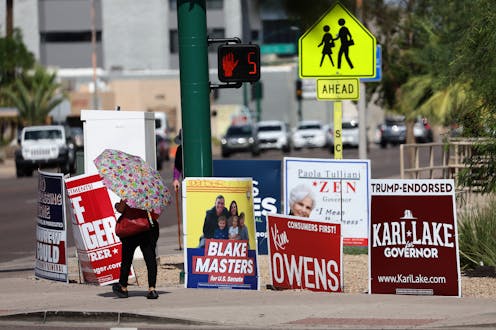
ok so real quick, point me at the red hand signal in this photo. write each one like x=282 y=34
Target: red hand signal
x=228 y=64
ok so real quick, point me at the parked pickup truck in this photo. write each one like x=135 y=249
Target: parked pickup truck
x=44 y=146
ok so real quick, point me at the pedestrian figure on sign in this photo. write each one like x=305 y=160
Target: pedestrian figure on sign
x=346 y=40
x=328 y=43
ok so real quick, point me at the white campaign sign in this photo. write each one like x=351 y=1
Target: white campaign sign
x=340 y=189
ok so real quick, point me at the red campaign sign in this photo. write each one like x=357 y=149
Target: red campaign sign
x=413 y=245
x=225 y=261
x=305 y=254
x=93 y=223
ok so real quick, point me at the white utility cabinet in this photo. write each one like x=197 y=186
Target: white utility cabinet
x=130 y=131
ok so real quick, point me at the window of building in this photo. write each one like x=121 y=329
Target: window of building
x=69 y=36
x=215 y=4
x=174 y=42
x=278 y=31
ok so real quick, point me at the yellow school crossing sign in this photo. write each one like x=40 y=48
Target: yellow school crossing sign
x=337 y=45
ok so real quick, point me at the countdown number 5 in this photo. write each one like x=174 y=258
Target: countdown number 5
x=254 y=71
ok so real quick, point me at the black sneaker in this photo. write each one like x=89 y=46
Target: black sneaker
x=117 y=289
x=152 y=295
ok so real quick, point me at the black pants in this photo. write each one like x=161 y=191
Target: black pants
x=147 y=241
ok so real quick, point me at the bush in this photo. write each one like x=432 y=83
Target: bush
x=354 y=250
x=477 y=237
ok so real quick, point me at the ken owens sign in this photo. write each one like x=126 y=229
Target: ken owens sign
x=305 y=254
x=413 y=238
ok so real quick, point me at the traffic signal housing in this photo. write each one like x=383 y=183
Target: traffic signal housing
x=238 y=63
x=299 y=90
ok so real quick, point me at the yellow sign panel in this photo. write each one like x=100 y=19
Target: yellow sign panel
x=338 y=89
x=337 y=45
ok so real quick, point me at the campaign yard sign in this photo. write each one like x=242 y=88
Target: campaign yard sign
x=305 y=254
x=339 y=191
x=414 y=238
x=266 y=175
x=51 y=228
x=93 y=224
x=215 y=256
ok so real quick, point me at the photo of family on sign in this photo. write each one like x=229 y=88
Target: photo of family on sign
x=223 y=223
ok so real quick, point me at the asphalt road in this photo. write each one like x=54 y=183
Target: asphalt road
x=18 y=199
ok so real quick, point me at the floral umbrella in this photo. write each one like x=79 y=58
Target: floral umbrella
x=133 y=180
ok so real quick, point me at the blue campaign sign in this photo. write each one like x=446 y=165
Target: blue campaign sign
x=266 y=176
x=378 y=67
x=51 y=228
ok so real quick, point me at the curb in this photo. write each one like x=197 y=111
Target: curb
x=117 y=318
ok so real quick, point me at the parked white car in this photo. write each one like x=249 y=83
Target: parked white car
x=350 y=134
x=309 y=133
x=274 y=134
x=44 y=146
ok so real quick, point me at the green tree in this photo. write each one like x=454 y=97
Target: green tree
x=475 y=59
x=14 y=59
x=463 y=63
x=35 y=94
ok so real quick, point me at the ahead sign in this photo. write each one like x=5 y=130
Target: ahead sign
x=337 y=45
x=338 y=89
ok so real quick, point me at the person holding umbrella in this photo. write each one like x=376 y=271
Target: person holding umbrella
x=143 y=195
x=147 y=241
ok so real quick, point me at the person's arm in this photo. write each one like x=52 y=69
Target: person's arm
x=177 y=176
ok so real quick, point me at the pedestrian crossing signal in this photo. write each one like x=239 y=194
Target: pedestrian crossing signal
x=238 y=63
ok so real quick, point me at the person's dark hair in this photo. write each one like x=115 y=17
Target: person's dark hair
x=219 y=197
x=230 y=206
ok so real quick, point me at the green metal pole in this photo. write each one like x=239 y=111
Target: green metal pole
x=245 y=95
x=195 y=88
x=258 y=86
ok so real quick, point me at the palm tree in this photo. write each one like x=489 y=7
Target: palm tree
x=35 y=95
x=420 y=98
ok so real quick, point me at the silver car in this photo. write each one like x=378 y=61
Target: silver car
x=309 y=133
x=240 y=138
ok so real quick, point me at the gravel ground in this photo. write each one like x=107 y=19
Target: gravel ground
x=355 y=275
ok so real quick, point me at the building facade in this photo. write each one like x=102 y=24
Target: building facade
x=136 y=41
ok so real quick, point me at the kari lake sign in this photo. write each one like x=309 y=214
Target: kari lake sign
x=413 y=246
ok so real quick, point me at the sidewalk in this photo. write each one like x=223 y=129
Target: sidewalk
x=29 y=300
